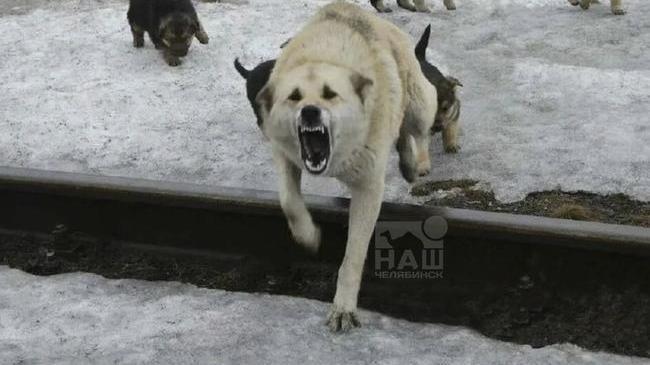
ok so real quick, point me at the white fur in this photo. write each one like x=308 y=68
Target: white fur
x=381 y=91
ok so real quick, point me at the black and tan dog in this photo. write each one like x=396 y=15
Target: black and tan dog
x=171 y=25
x=256 y=79
x=448 y=103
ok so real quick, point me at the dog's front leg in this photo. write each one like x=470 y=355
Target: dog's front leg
x=138 y=35
x=364 y=210
x=201 y=35
x=302 y=227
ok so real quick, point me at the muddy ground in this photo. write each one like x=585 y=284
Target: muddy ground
x=536 y=296
x=615 y=208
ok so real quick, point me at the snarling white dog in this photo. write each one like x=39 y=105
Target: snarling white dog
x=343 y=91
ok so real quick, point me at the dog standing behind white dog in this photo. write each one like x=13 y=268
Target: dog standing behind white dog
x=416 y=5
x=340 y=94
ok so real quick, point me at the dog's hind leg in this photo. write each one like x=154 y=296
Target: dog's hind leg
x=406 y=4
x=201 y=34
x=302 y=227
x=449 y=4
x=379 y=5
x=418 y=121
x=138 y=35
x=617 y=7
x=365 y=204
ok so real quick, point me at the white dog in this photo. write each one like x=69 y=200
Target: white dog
x=617 y=5
x=341 y=93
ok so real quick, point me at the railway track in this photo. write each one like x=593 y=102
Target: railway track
x=519 y=278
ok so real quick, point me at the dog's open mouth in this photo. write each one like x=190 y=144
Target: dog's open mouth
x=314 y=147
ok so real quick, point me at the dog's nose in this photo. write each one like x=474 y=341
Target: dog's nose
x=310 y=114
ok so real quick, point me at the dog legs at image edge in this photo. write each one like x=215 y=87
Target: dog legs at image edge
x=302 y=227
x=379 y=5
x=617 y=7
x=449 y=4
x=408 y=5
x=364 y=210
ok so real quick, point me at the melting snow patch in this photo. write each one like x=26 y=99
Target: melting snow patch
x=553 y=95
x=84 y=318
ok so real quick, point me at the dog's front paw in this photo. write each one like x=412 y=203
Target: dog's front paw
x=454 y=148
x=307 y=234
x=174 y=61
x=618 y=11
x=574 y=2
x=585 y=4
x=138 y=42
x=340 y=320
x=203 y=37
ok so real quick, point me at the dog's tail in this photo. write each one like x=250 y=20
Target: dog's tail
x=423 y=43
x=241 y=69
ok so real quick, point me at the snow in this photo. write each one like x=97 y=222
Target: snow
x=84 y=318
x=554 y=97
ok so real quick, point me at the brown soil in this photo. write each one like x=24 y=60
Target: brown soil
x=616 y=208
x=536 y=296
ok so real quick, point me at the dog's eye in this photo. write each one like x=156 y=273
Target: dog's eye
x=328 y=94
x=295 y=95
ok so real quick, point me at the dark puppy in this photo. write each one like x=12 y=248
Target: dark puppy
x=448 y=104
x=255 y=81
x=171 y=25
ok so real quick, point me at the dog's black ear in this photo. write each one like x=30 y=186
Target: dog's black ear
x=454 y=81
x=241 y=69
x=423 y=43
x=264 y=101
x=361 y=84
